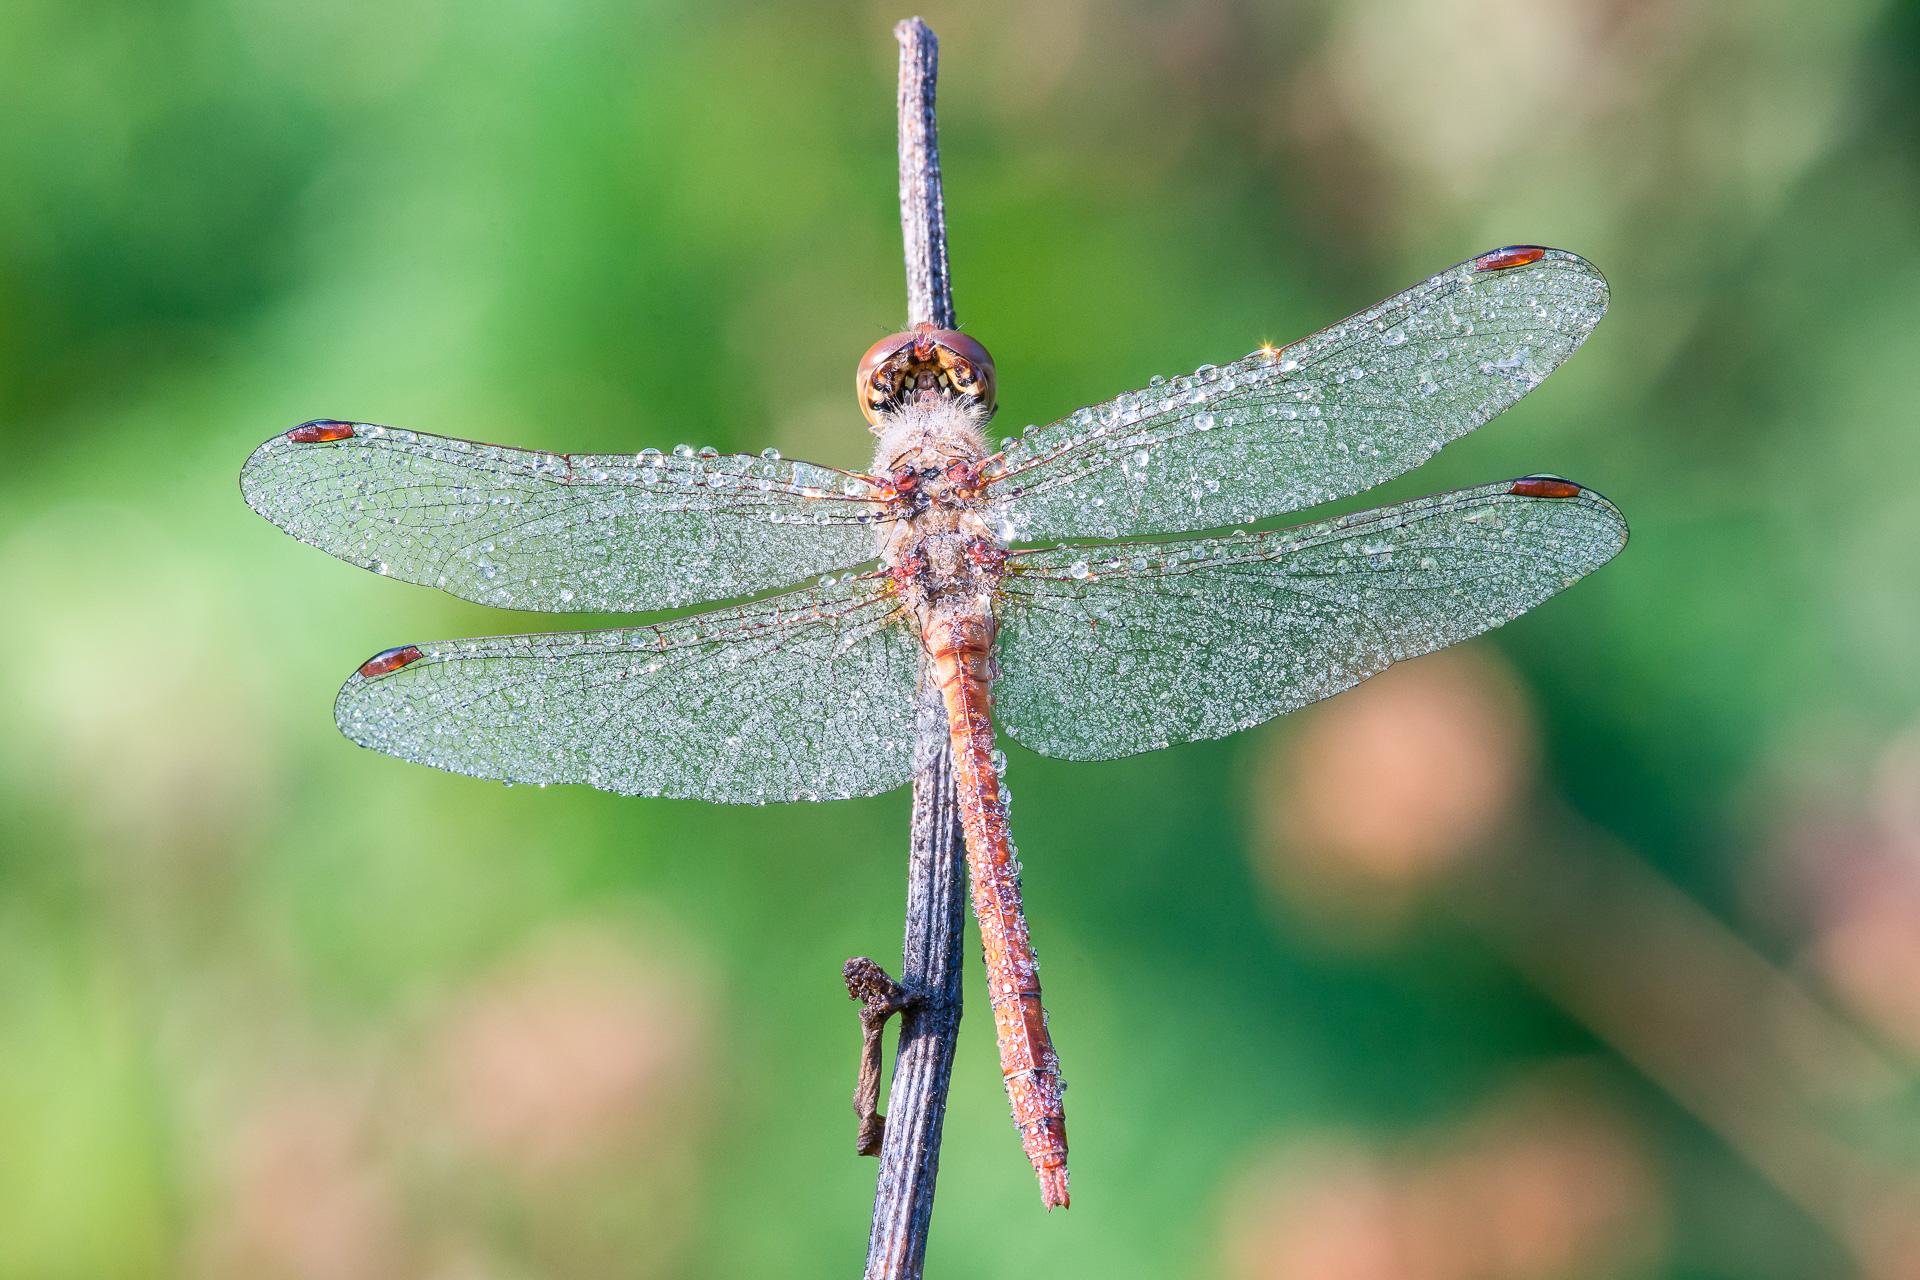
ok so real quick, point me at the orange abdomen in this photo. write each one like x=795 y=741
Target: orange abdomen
x=961 y=650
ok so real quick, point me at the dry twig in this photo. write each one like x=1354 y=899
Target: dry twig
x=928 y=994
x=880 y=998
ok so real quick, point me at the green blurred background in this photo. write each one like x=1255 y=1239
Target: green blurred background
x=1591 y=950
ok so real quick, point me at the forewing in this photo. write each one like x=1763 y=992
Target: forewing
x=522 y=529
x=1329 y=416
x=802 y=696
x=1106 y=651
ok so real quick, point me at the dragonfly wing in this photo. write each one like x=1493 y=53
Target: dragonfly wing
x=801 y=696
x=1336 y=413
x=522 y=529
x=1107 y=651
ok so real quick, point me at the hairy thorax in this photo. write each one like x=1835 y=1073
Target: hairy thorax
x=942 y=555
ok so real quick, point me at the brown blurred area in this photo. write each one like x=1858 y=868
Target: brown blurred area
x=1391 y=787
x=544 y=1120
x=1543 y=1179
x=1418 y=792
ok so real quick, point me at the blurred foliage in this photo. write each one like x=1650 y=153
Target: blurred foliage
x=276 y=1007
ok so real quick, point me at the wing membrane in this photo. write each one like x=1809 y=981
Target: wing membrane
x=1336 y=413
x=807 y=695
x=1107 y=651
x=524 y=529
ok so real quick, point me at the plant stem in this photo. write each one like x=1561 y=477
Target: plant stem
x=936 y=869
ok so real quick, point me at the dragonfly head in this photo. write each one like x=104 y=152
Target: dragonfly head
x=923 y=362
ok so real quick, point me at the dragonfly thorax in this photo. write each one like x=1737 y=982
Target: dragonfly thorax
x=929 y=459
x=934 y=543
x=929 y=435
x=951 y=573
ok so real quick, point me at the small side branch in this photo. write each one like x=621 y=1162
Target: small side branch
x=879 y=997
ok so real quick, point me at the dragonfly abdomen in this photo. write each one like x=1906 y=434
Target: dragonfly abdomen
x=959 y=646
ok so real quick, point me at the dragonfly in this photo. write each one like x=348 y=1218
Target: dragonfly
x=1027 y=582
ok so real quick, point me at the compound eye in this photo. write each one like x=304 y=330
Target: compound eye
x=922 y=356
x=879 y=373
x=967 y=364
